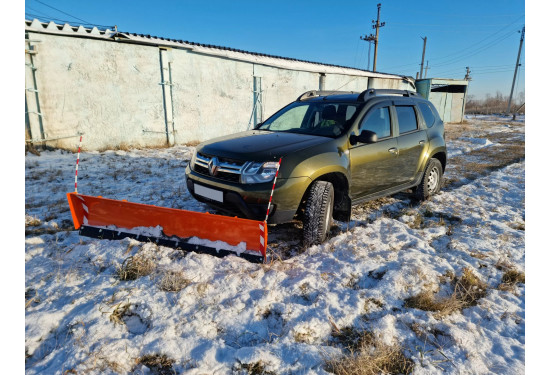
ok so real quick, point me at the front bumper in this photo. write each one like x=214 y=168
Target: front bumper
x=250 y=201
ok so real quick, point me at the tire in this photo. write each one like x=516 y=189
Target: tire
x=431 y=180
x=318 y=213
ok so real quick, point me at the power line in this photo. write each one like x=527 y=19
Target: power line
x=477 y=51
x=70 y=15
x=37 y=11
x=462 y=55
x=487 y=37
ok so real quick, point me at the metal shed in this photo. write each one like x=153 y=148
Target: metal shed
x=448 y=96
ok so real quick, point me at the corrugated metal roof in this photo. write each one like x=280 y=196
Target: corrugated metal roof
x=232 y=53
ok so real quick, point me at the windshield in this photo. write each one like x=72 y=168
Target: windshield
x=315 y=118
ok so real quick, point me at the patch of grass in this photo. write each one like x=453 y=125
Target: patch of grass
x=467 y=291
x=372 y=301
x=516 y=225
x=353 y=282
x=417 y=222
x=470 y=288
x=135 y=267
x=351 y=338
x=32 y=221
x=173 y=281
x=369 y=355
x=254 y=368
x=304 y=336
x=426 y=301
x=503 y=265
x=510 y=279
x=159 y=364
x=192 y=143
x=478 y=255
x=121 y=310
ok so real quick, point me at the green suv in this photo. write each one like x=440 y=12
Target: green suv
x=337 y=149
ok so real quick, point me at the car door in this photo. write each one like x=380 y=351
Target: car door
x=412 y=141
x=373 y=165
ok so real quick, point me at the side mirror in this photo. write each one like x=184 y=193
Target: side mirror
x=366 y=136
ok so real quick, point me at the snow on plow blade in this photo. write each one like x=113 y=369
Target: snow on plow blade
x=218 y=235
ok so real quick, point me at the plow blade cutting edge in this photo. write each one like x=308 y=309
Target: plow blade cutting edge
x=104 y=218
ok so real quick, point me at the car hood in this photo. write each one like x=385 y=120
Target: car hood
x=259 y=145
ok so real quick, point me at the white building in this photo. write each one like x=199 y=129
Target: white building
x=130 y=89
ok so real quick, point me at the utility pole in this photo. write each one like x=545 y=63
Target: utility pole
x=467 y=76
x=374 y=38
x=369 y=39
x=423 y=53
x=516 y=70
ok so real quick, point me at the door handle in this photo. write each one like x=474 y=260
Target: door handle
x=422 y=142
x=393 y=150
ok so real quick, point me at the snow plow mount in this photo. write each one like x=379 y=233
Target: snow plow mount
x=103 y=218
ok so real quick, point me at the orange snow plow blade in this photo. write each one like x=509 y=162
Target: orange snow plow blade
x=104 y=218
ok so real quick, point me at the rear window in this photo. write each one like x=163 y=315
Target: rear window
x=427 y=114
x=407 y=119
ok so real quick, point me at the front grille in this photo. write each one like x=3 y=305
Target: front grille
x=229 y=170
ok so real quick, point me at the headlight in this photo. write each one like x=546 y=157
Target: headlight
x=256 y=173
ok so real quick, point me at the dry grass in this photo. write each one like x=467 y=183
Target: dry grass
x=120 y=311
x=417 y=222
x=467 y=291
x=173 y=281
x=135 y=267
x=255 y=368
x=192 y=143
x=517 y=225
x=157 y=363
x=510 y=279
x=368 y=355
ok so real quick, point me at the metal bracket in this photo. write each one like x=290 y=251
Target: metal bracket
x=158 y=132
x=36 y=113
x=51 y=139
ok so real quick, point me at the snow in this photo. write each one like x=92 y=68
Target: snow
x=233 y=313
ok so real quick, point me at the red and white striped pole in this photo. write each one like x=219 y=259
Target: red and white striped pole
x=77 y=160
x=273 y=189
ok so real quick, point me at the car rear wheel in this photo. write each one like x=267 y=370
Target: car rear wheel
x=431 y=181
x=318 y=213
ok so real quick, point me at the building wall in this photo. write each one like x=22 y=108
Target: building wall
x=112 y=92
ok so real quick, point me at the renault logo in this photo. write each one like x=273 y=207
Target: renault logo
x=213 y=166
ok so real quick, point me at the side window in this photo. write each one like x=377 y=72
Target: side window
x=407 y=118
x=427 y=114
x=378 y=121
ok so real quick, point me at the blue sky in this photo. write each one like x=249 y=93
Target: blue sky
x=480 y=34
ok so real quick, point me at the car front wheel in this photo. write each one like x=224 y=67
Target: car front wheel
x=318 y=213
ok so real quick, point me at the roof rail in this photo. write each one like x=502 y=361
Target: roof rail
x=314 y=93
x=377 y=92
